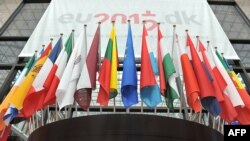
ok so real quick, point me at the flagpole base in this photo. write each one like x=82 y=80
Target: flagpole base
x=124 y=127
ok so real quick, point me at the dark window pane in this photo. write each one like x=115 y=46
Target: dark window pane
x=232 y=22
x=26 y=20
x=3 y=75
x=9 y=51
x=243 y=51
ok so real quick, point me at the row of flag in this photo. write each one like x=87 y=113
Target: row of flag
x=66 y=74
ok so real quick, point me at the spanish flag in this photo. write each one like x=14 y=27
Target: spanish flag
x=24 y=87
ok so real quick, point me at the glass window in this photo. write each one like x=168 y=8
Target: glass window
x=10 y=50
x=26 y=20
x=3 y=75
x=243 y=51
x=231 y=21
x=7 y=7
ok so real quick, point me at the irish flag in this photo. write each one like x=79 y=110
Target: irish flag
x=169 y=72
x=108 y=71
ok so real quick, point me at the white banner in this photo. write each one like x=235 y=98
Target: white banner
x=195 y=15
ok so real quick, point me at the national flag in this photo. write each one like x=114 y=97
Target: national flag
x=228 y=112
x=67 y=86
x=222 y=61
x=108 y=71
x=169 y=72
x=150 y=91
x=153 y=62
x=207 y=93
x=50 y=99
x=191 y=84
x=153 y=59
x=22 y=90
x=40 y=53
x=230 y=89
x=129 y=76
x=5 y=133
x=243 y=112
x=163 y=82
x=57 y=70
x=10 y=114
x=87 y=80
x=6 y=102
x=35 y=97
x=16 y=101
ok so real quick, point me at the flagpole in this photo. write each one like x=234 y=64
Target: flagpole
x=56 y=112
x=99 y=56
x=197 y=48
x=127 y=109
x=36 y=53
x=191 y=113
x=87 y=111
x=222 y=126
x=183 y=103
x=33 y=122
x=174 y=29
x=214 y=122
x=208 y=118
x=37 y=123
x=218 y=129
x=61 y=34
x=48 y=114
x=172 y=54
x=29 y=126
x=42 y=117
x=158 y=44
x=197 y=42
x=207 y=44
x=200 y=114
x=215 y=48
x=99 y=48
x=114 y=108
x=143 y=23
x=3 y=132
x=141 y=106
